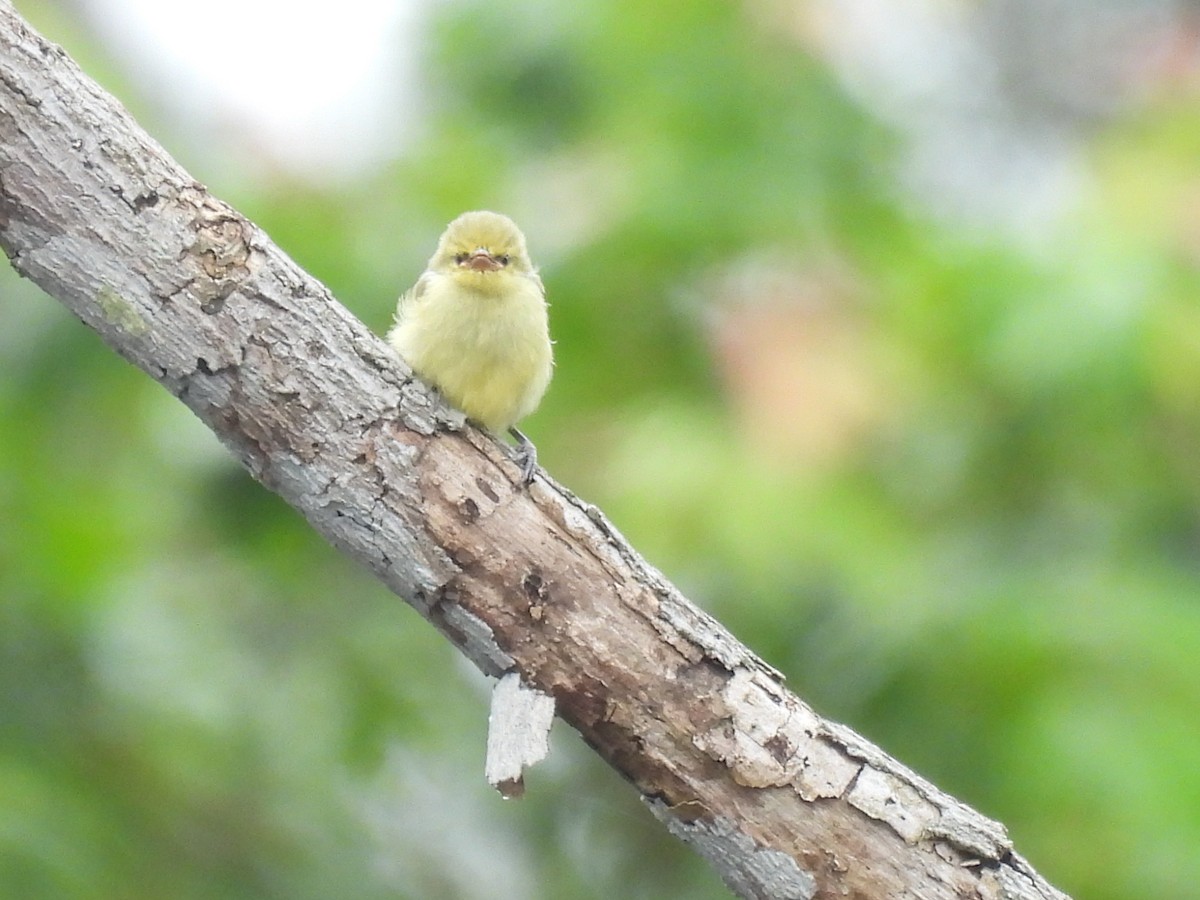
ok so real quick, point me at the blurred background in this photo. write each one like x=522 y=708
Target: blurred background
x=878 y=331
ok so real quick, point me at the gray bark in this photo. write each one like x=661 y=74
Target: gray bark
x=536 y=582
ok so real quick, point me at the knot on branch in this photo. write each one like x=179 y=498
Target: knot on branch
x=222 y=249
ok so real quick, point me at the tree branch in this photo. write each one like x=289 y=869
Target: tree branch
x=781 y=801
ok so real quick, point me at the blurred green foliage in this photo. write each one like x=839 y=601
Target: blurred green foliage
x=971 y=530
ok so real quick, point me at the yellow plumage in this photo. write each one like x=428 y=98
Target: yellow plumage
x=475 y=325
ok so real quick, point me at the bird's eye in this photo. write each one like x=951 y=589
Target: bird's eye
x=502 y=259
x=460 y=258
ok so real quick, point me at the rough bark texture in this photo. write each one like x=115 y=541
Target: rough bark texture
x=784 y=803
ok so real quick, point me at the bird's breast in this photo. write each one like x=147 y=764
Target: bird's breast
x=488 y=353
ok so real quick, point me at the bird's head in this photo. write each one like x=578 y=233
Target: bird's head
x=481 y=249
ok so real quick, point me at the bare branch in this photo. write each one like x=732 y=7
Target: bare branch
x=783 y=802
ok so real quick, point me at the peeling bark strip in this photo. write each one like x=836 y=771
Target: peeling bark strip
x=518 y=733
x=784 y=803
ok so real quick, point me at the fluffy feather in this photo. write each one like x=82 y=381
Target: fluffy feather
x=475 y=325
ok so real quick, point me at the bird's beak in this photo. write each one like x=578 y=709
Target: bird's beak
x=481 y=261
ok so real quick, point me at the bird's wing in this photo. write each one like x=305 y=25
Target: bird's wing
x=413 y=295
x=537 y=279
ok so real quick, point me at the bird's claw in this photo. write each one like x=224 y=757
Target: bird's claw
x=526 y=455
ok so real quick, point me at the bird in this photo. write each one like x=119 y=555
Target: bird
x=475 y=326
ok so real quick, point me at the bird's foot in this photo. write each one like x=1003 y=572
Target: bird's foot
x=526 y=455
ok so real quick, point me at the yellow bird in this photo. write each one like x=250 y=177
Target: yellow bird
x=475 y=326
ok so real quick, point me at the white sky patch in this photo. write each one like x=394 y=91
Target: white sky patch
x=998 y=99
x=320 y=87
